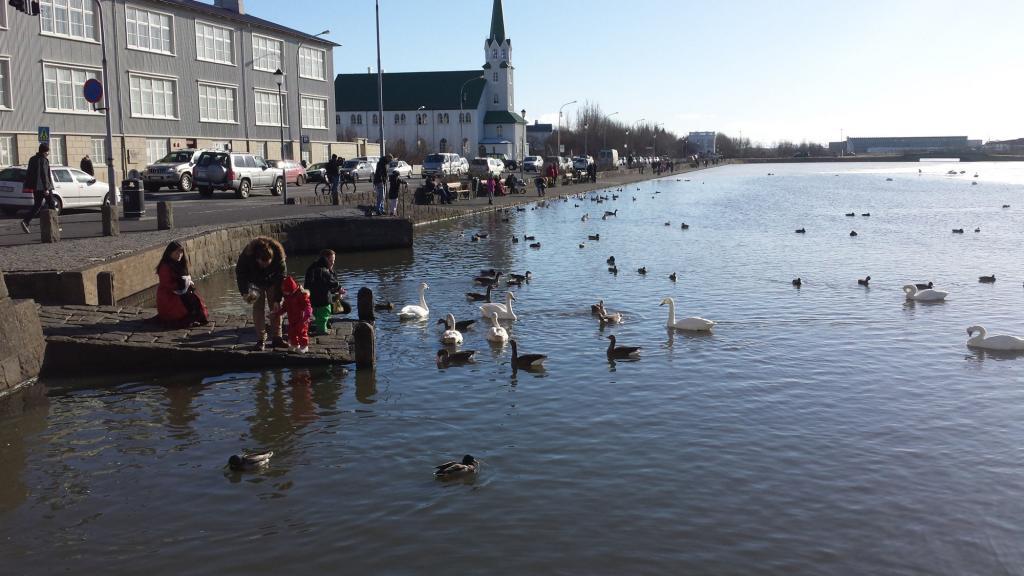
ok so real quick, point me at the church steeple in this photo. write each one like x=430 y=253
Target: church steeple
x=497 y=23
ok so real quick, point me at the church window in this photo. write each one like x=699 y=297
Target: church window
x=469 y=119
x=440 y=118
x=375 y=120
x=403 y=118
x=495 y=76
x=500 y=130
x=352 y=119
x=494 y=53
x=396 y=118
x=496 y=99
x=504 y=54
x=446 y=118
x=359 y=119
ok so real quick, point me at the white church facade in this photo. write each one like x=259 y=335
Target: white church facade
x=468 y=112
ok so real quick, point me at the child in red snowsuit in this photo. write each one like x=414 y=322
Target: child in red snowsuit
x=300 y=311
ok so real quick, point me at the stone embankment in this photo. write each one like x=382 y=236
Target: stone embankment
x=21 y=341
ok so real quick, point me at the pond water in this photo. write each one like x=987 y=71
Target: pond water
x=831 y=429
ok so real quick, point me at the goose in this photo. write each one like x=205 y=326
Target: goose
x=850 y=214
x=642 y=270
x=613 y=269
x=454 y=470
x=385 y=305
x=672 y=276
x=414 y=312
x=853 y=232
x=522 y=277
x=621 y=351
x=926 y=295
x=668 y=223
x=497 y=333
x=997 y=342
x=684 y=226
x=525 y=361
x=450 y=336
x=958 y=230
x=801 y=231
x=535 y=245
x=513 y=282
x=504 y=311
x=594 y=237
x=797 y=282
x=607 y=317
x=596 y=308
x=249 y=460
x=977 y=229
x=864 y=281
x=489 y=272
x=611 y=260
x=488 y=280
x=446 y=358
x=693 y=323
x=888 y=179
x=478 y=297
x=1006 y=205
x=927 y=286
x=987 y=279
x=515 y=240
x=866 y=214
x=613 y=213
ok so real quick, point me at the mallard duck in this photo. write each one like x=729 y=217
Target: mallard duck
x=850 y=214
x=853 y=232
x=522 y=277
x=488 y=280
x=446 y=358
x=249 y=460
x=642 y=270
x=454 y=470
x=684 y=226
x=866 y=214
x=478 y=297
x=621 y=351
x=607 y=317
x=797 y=282
x=525 y=361
x=668 y=223
x=514 y=282
x=864 y=281
x=525 y=237
x=958 y=230
x=515 y=240
x=1006 y=205
x=977 y=229
x=801 y=231
x=672 y=276
x=987 y=279
x=594 y=237
x=535 y=245
x=385 y=305
x=582 y=245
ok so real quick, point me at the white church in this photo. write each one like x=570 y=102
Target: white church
x=471 y=112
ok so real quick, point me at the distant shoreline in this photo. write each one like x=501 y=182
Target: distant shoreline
x=969 y=157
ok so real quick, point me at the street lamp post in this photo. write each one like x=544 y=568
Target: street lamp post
x=522 y=148
x=279 y=76
x=558 y=151
x=586 y=135
x=298 y=94
x=604 y=134
x=462 y=121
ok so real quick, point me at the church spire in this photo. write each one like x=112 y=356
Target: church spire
x=497 y=23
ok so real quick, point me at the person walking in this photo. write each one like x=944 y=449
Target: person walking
x=333 y=170
x=490 y=189
x=380 y=179
x=39 y=182
x=86 y=166
x=260 y=269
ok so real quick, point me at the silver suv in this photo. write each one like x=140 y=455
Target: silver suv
x=359 y=169
x=172 y=171
x=241 y=173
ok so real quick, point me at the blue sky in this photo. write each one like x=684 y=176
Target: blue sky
x=796 y=70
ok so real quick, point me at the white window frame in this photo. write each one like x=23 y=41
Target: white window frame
x=165 y=149
x=148 y=11
x=76 y=94
x=45 y=5
x=58 y=151
x=206 y=83
x=256 y=59
x=231 y=32
x=323 y=63
x=7 y=86
x=7 y=144
x=3 y=17
x=283 y=103
x=98 y=154
x=311 y=97
x=174 y=82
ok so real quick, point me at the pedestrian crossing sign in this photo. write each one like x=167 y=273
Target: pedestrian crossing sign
x=44 y=134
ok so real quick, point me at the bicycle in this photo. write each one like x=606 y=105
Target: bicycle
x=346 y=185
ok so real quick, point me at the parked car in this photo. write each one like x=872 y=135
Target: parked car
x=581 y=163
x=172 y=171
x=509 y=163
x=72 y=188
x=294 y=172
x=441 y=164
x=484 y=167
x=400 y=166
x=317 y=172
x=358 y=169
x=564 y=164
x=463 y=166
x=533 y=163
x=241 y=173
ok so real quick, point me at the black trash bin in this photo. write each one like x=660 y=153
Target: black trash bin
x=134 y=198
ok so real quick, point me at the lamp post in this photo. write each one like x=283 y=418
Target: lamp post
x=298 y=94
x=654 y=148
x=604 y=134
x=462 y=122
x=522 y=148
x=634 y=127
x=586 y=134
x=279 y=77
x=418 y=129
x=558 y=150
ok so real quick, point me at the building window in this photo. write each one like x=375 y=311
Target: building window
x=352 y=119
x=375 y=119
x=311 y=63
x=314 y=113
x=359 y=119
x=499 y=130
x=62 y=89
x=495 y=98
x=403 y=119
x=3 y=17
x=504 y=54
x=215 y=44
x=5 y=83
x=150 y=31
x=69 y=18
x=337 y=119
x=7 y=155
x=266 y=53
x=156 y=148
x=98 y=151
x=268 y=109
x=495 y=76
x=216 y=103
x=57 y=157
x=396 y=118
x=152 y=97
x=469 y=118
x=494 y=53
x=440 y=118
x=446 y=119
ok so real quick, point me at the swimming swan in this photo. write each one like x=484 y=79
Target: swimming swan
x=997 y=342
x=504 y=311
x=497 y=333
x=695 y=323
x=450 y=335
x=926 y=295
x=414 y=312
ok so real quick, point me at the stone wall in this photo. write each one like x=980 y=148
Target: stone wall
x=21 y=341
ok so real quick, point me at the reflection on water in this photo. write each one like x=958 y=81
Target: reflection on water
x=830 y=429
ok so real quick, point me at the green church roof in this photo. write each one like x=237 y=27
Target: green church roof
x=503 y=117
x=409 y=90
x=497 y=23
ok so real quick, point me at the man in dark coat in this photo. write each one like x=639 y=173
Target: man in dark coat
x=259 y=271
x=333 y=171
x=380 y=179
x=86 y=166
x=39 y=181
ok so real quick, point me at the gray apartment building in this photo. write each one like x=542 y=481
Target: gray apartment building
x=183 y=74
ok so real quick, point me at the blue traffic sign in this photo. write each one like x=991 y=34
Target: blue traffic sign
x=44 y=134
x=92 y=90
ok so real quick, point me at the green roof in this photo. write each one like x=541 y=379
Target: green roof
x=497 y=23
x=503 y=117
x=409 y=90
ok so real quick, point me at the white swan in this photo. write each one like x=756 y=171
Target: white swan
x=997 y=342
x=926 y=295
x=414 y=312
x=504 y=311
x=497 y=334
x=451 y=335
x=694 y=323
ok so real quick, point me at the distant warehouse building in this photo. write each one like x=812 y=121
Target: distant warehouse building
x=183 y=74
x=702 y=142
x=905 y=144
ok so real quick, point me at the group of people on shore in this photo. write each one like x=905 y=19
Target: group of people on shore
x=261 y=273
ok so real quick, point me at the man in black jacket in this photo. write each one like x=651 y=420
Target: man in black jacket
x=86 y=166
x=333 y=171
x=39 y=181
x=259 y=271
x=380 y=179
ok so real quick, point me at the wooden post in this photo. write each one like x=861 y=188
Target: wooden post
x=164 y=215
x=365 y=345
x=105 y=289
x=111 y=224
x=364 y=305
x=49 y=226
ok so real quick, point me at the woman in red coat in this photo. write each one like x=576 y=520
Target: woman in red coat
x=178 y=305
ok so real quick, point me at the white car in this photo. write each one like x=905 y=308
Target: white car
x=533 y=164
x=401 y=167
x=72 y=188
x=484 y=167
x=581 y=163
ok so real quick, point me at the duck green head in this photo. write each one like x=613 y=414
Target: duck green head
x=468 y=460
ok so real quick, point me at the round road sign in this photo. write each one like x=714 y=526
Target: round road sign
x=92 y=90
